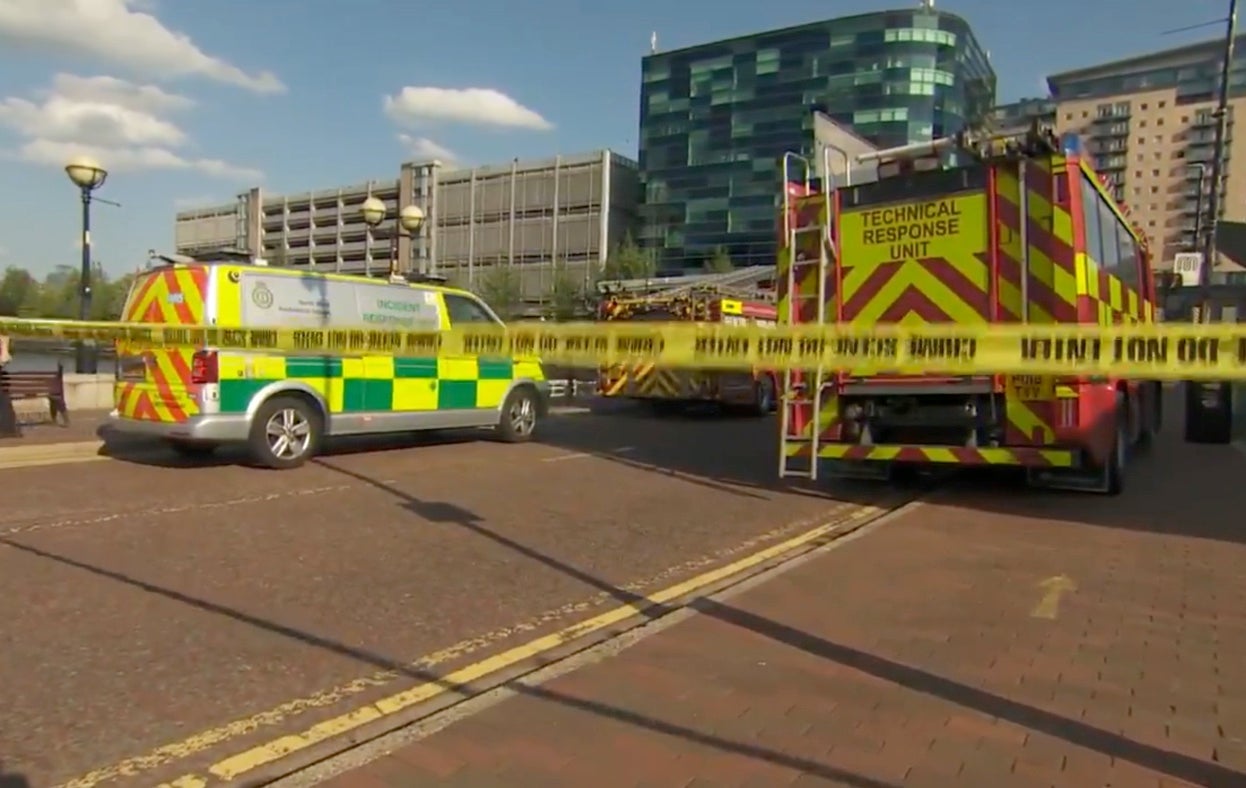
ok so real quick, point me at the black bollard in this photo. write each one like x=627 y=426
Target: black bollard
x=1208 y=411
x=9 y=426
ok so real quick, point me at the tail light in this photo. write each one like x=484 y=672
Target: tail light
x=204 y=367
x=1067 y=407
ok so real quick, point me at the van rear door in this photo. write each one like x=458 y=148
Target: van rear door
x=158 y=384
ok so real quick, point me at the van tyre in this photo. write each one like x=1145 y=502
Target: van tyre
x=520 y=414
x=1118 y=457
x=763 y=397
x=1151 y=404
x=287 y=432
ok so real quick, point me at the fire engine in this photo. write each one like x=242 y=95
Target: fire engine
x=976 y=229
x=670 y=390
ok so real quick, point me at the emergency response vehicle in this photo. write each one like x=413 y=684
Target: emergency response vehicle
x=668 y=390
x=975 y=230
x=284 y=405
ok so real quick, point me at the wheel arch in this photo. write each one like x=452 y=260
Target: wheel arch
x=288 y=388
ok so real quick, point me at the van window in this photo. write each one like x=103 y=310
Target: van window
x=463 y=309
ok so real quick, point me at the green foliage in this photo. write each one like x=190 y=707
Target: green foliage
x=720 y=263
x=566 y=295
x=629 y=261
x=502 y=289
x=57 y=296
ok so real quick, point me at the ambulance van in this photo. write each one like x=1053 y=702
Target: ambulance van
x=284 y=406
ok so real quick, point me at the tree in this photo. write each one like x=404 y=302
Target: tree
x=108 y=296
x=14 y=287
x=566 y=295
x=629 y=261
x=501 y=288
x=58 y=295
x=720 y=263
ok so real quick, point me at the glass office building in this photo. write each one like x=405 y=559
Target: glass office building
x=716 y=118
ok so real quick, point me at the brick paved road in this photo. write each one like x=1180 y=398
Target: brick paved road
x=920 y=655
x=144 y=603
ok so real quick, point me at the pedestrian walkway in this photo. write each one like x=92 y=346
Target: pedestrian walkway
x=989 y=637
x=84 y=425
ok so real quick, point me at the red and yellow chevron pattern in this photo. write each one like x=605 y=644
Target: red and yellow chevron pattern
x=1048 y=228
x=947 y=455
x=1104 y=298
x=651 y=382
x=943 y=279
x=176 y=296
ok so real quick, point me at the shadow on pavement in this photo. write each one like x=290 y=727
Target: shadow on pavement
x=733 y=454
x=152 y=452
x=1171 y=487
x=12 y=779
x=1176 y=765
x=449 y=513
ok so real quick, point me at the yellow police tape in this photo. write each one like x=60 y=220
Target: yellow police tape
x=1167 y=351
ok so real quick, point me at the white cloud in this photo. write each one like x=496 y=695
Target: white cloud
x=121 y=33
x=121 y=124
x=424 y=148
x=105 y=110
x=473 y=106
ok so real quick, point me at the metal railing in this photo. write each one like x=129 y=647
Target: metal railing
x=572 y=389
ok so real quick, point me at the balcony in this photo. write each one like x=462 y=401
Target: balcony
x=1115 y=115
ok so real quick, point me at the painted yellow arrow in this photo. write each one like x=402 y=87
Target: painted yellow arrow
x=1053 y=589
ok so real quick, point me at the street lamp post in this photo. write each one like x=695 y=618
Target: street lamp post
x=87 y=175
x=1217 y=162
x=410 y=220
x=1198 y=207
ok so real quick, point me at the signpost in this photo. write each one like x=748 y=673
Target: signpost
x=1187 y=266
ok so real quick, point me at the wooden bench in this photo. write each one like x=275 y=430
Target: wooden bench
x=38 y=385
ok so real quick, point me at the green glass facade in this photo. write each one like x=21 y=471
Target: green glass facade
x=715 y=119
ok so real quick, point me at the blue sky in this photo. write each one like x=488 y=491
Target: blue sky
x=190 y=102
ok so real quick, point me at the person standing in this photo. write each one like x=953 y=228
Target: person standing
x=9 y=428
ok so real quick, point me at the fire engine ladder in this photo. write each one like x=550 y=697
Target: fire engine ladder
x=807 y=389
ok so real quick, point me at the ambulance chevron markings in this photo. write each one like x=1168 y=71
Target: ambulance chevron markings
x=174 y=296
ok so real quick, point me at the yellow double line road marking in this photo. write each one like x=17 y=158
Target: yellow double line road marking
x=238 y=765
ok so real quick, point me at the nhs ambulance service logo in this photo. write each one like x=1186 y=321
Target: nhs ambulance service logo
x=261 y=296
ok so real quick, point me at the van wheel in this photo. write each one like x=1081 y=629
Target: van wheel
x=1118 y=458
x=191 y=449
x=763 y=397
x=286 y=432
x=520 y=414
x=1152 y=415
